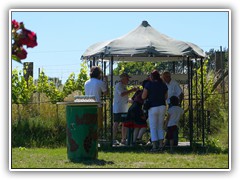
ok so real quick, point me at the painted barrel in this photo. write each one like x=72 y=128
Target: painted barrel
x=82 y=129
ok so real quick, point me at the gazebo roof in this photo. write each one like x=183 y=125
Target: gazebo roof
x=142 y=42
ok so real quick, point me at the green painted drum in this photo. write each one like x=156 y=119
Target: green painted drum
x=82 y=132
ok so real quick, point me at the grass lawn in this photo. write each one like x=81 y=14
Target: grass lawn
x=122 y=158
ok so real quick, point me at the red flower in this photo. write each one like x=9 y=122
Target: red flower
x=15 y=24
x=20 y=37
x=21 y=53
x=28 y=38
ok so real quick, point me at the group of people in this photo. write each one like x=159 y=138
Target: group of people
x=158 y=96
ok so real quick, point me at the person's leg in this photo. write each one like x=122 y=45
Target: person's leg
x=115 y=128
x=153 y=112
x=160 y=123
x=124 y=134
x=153 y=118
x=141 y=132
x=135 y=134
x=170 y=136
x=171 y=145
x=175 y=137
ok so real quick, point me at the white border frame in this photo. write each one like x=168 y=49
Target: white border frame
x=121 y=10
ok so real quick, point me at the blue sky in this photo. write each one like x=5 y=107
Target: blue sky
x=64 y=36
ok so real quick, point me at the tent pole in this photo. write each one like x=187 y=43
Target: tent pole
x=183 y=102
x=196 y=92
x=94 y=61
x=90 y=64
x=174 y=67
x=202 y=105
x=191 y=97
x=190 y=103
x=105 y=105
x=111 y=99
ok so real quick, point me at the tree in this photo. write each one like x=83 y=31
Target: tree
x=21 y=90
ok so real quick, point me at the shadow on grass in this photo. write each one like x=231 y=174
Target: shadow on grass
x=197 y=149
x=97 y=162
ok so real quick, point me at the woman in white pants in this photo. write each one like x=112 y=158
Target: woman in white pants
x=156 y=120
x=156 y=93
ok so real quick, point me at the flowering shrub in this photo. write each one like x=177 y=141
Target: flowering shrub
x=20 y=37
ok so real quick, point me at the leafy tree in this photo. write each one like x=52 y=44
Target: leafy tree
x=21 y=89
x=70 y=85
x=49 y=88
x=82 y=77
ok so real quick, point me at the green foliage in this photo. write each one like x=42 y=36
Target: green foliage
x=214 y=146
x=73 y=84
x=37 y=132
x=39 y=125
x=69 y=86
x=21 y=89
x=213 y=101
x=42 y=84
x=144 y=68
x=134 y=68
x=82 y=77
x=49 y=88
x=54 y=94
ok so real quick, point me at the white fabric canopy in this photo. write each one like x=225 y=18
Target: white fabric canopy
x=142 y=42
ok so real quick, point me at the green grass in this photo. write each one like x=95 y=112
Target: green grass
x=118 y=158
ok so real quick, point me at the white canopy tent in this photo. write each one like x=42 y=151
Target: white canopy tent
x=147 y=44
x=142 y=42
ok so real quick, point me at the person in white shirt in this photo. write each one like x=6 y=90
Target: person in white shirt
x=96 y=87
x=120 y=106
x=171 y=124
x=173 y=87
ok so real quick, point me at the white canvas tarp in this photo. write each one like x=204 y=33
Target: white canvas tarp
x=143 y=42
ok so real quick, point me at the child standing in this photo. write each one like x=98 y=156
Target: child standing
x=136 y=117
x=174 y=114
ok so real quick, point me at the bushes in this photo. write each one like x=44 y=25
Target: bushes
x=38 y=133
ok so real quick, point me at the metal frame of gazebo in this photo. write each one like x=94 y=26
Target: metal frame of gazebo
x=106 y=57
x=190 y=73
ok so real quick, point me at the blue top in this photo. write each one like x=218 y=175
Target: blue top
x=156 y=93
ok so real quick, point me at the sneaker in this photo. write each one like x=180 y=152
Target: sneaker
x=115 y=142
x=149 y=143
